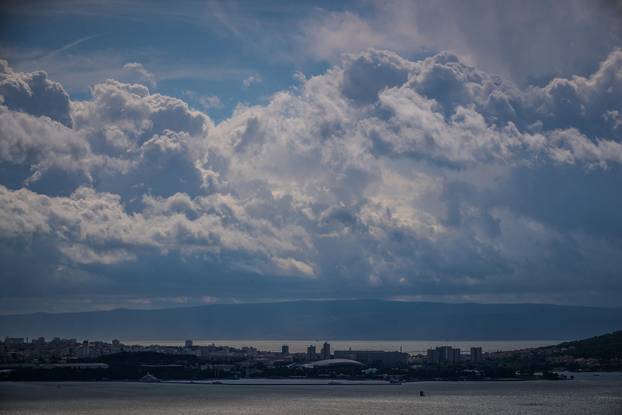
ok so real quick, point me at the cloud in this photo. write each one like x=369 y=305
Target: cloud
x=136 y=111
x=34 y=94
x=376 y=70
x=96 y=225
x=527 y=42
x=291 y=265
x=136 y=73
x=383 y=176
x=81 y=254
x=41 y=144
x=206 y=102
x=253 y=79
x=588 y=103
x=329 y=34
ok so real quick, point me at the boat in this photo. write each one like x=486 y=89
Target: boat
x=149 y=378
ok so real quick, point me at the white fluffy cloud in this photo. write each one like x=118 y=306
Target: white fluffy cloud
x=41 y=143
x=94 y=227
x=382 y=175
x=139 y=114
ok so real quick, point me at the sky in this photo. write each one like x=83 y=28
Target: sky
x=156 y=155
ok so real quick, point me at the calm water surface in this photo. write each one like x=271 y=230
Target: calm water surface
x=585 y=395
x=408 y=346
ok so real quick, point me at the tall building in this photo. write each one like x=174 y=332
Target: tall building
x=311 y=354
x=476 y=354
x=443 y=354
x=456 y=356
x=188 y=344
x=13 y=340
x=285 y=349
x=326 y=351
x=434 y=356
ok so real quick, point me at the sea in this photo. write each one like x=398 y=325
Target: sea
x=407 y=346
x=588 y=393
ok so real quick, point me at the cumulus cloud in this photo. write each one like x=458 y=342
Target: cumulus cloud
x=137 y=112
x=34 y=93
x=41 y=144
x=589 y=103
x=96 y=224
x=382 y=176
x=136 y=73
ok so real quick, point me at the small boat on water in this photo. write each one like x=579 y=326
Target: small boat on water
x=149 y=378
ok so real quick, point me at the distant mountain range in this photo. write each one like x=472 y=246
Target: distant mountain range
x=315 y=320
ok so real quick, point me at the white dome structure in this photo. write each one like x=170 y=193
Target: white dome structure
x=328 y=363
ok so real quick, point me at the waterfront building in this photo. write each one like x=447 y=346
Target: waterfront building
x=374 y=357
x=285 y=349
x=330 y=364
x=326 y=351
x=476 y=354
x=434 y=356
x=444 y=354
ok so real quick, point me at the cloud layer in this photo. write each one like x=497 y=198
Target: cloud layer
x=382 y=177
x=527 y=41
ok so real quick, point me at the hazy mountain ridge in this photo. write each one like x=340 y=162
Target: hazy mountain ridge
x=606 y=346
x=338 y=319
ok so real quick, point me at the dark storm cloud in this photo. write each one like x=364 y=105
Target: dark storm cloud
x=34 y=93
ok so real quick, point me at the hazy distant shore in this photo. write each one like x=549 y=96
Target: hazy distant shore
x=408 y=346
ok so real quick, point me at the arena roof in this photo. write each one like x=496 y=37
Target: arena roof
x=330 y=363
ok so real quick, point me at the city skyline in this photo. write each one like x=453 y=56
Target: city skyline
x=70 y=359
